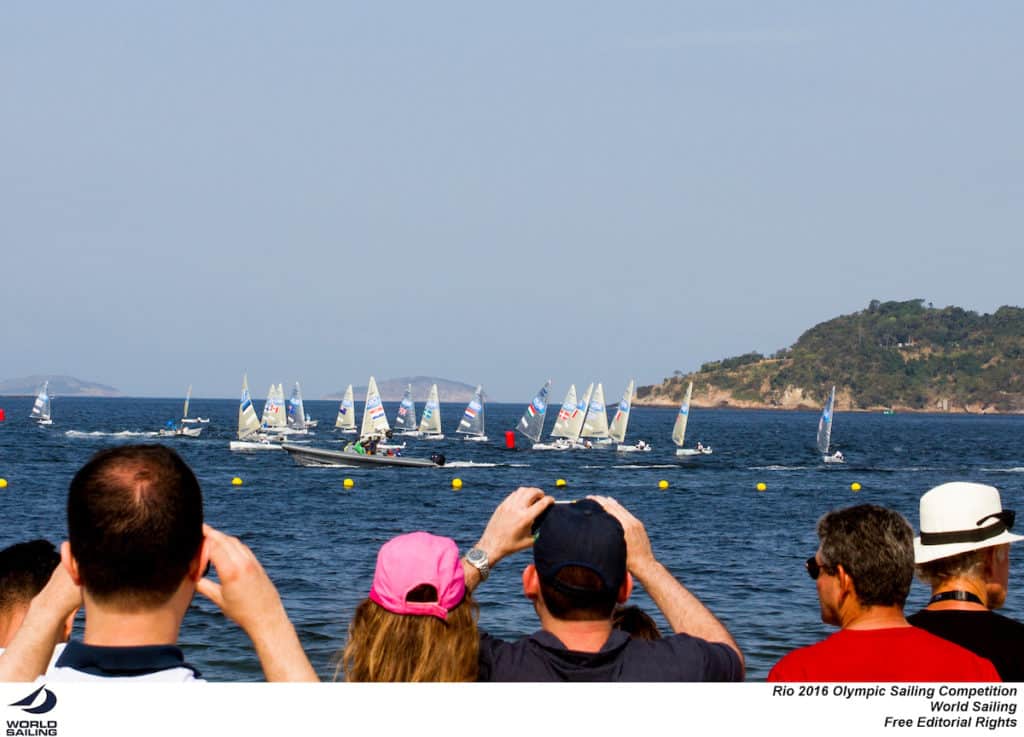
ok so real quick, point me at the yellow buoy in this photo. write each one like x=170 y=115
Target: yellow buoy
x=456 y=484
x=761 y=486
x=855 y=486
x=560 y=483
x=663 y=484
x=236 y=481
x=3 y=483
x=348 y=483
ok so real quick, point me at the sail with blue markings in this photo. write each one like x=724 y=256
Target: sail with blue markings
x=531 y=424
x=472 y=422
x=248 y=422
x=406 y=417
x=620 y=422
x=346 y=420
x=825 y=424
x=679 y=429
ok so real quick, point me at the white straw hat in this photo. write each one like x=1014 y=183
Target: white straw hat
x=961 y=516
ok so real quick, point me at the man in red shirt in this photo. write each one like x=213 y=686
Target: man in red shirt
x=863 y=569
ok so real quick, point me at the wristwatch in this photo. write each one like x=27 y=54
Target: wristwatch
x=478 y=559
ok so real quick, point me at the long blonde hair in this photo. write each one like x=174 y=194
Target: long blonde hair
x=387 y=647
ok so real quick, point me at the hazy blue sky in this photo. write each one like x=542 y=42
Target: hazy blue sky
x=576 y=190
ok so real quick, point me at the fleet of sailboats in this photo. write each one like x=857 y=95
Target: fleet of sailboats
x=250 y=435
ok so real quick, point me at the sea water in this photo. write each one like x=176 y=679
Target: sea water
x=740 y=550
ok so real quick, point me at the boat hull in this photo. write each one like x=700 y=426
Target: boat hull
x=326 y=457
x=246 y=446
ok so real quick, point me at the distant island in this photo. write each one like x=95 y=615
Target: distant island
x=899 y=356
x=60 y=386
x=391 y=390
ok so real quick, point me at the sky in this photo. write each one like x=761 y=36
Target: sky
x=580 y=191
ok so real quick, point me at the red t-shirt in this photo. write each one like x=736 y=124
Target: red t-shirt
x=892 y=654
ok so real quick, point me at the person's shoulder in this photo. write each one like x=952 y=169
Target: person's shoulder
x=699 y=659
x=956 y=655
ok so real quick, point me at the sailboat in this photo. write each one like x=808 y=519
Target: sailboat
x=180 y=430
x=569 y=423
x=679 y=429
x=825 y=432
x=405 y=419
x=185 y=419
x=430 y=421
x=375 y=422
x=41 y=407
x=531 y=424
x=472 y=423
x=617 y=431
x=296 y=413
x=346 y=420
x=273 y=419
x=595 y=424
x=249 y=435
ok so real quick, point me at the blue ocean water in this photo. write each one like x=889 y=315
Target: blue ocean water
x=739 y=550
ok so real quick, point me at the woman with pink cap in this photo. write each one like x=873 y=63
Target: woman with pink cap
x=419 y=621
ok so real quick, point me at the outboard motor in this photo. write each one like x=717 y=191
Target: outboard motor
x=437 y=458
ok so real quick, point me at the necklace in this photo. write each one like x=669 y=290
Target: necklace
x=956 y=596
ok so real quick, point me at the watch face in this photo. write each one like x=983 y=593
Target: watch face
x=476 y=555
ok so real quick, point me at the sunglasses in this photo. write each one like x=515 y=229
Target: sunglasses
x=814 y=568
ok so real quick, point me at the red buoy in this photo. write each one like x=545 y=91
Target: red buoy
x=510 y=439
x=2 y=418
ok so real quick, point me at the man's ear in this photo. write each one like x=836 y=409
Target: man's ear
x=531 y=582
x=200 y=562
x=846 y=584
x=68 y=561
x=625 y=589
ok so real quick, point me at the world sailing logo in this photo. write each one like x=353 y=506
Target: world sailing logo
x=49 y=701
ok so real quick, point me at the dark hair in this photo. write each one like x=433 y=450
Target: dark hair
x=577 y=594
x=24 y=570
x=875 y=546
x=638 y=623
x=135 y=523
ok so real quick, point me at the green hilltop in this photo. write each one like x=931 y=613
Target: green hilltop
x=908 y=356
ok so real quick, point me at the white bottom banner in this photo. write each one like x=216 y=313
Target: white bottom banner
x=118 y=708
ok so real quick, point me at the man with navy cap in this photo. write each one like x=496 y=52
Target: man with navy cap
x=963 y=553
x=586 y=556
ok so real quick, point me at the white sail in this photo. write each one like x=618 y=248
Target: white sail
x=268 y=407
x=188 y=397
x=531 y=424
x=825 y=424
x=374 y=419
x=596 y=423
x=346 y=412
x=617 y=431
x=472 y=422
x=679 y=430
x=430 y=421
x=296 y=416
x=41 y=407
x=563 y=422
x=580 y=414
x=406 y=417
x=248 y=422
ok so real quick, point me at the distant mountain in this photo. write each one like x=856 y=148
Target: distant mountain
x=391 y=390
x=60 y=386
x=907 y=356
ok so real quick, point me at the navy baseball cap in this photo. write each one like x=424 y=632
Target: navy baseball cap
x=579 y=534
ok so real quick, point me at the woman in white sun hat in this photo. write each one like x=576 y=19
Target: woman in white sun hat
x=963 y=553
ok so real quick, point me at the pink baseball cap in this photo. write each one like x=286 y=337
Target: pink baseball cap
x=412 y=560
